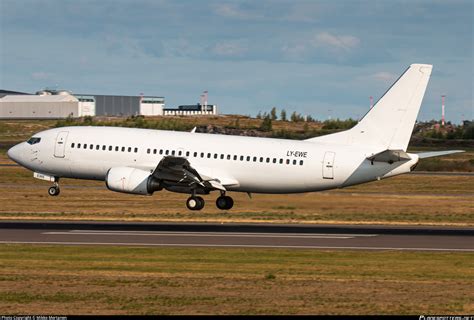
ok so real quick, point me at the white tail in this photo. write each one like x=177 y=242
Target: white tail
x=389 y=124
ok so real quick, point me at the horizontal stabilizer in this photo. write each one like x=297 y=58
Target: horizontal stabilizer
x=431 y=154
x=390 y=156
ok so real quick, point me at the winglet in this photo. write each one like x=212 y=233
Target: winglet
x=193 y=130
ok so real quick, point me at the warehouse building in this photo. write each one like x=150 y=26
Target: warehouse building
x=55 y=104
x=39 y=106
x=190 y=110
x=62 y=104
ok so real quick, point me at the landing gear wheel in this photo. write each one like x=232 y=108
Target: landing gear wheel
x=195 y=203
x=53 y=191
x=224 y=202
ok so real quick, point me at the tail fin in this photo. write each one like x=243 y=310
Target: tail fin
x=390 y=122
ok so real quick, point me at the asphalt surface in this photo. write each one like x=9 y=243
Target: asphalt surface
x=330 y=237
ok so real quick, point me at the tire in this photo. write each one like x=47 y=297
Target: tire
x=53 y=191
x=201 y=203
x=230 y=203
x=195 y=203
x=224 y=202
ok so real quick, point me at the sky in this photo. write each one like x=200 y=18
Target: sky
x=319 y=58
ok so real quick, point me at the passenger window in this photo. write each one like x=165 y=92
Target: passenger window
x=172 y=152
x=123 y=149
x=180 y=153
x=248 y=158
x=78 y=145
x=241 y=158
x=254 y=159
x=208 y=155
x=287 y=161
x=301 y=162
x=235 y=157
x=72 y=145
x=222 y=156
x=274 y=160
x=195 y=154
x=91 y=146
x=294 y=162
x=161 y=151
x=116 y=148
x=167 y=152
x=187 y=153
x=110 y=148
x=261 y=159
x=103 y=147
x=268 y=160
x=97 y=147
x=154 y=151
x=148 y=150
x=129 y=149
x=202 y=154
x=215 y=155
x=281 y=161
x=85 y=145
x=136 y=150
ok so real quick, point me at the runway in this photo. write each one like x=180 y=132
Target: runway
x=323 y=237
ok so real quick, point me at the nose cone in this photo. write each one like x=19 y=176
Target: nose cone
x=14 y=153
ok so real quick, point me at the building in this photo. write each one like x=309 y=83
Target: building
x=112 y=105
x=190 y=110
x=62 y=104
x=54 y=104
x=46 y=106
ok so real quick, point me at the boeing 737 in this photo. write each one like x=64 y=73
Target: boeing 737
x=142 y=161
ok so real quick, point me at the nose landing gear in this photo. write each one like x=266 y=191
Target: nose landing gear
x=54 y=190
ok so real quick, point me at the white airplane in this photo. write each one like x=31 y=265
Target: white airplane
x=141 y=161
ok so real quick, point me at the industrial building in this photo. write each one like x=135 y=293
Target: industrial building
x=189 y=110
x=52 y=104
x=45 y=106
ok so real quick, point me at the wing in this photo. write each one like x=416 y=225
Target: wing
x=177 y=174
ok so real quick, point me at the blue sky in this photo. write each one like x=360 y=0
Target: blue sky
x=323 y=58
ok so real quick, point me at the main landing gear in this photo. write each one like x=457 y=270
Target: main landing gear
x=197 y=203
x=224 y=202
x=54 y=190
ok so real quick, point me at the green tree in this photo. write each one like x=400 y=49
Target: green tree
x=283 y=115
x=273 y=113
x=468 y=132
x=266 y=124
x=259 y=115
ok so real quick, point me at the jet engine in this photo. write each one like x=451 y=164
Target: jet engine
x=131 y=180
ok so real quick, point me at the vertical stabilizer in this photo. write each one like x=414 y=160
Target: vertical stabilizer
x=389 y=124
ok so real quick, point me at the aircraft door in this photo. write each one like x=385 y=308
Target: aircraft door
x=60 y=145
x=328 y=165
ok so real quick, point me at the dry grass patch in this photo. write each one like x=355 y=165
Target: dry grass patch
x=121 y=280
x=407 y=199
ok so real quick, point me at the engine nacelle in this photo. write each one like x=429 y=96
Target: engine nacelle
x=131 y=180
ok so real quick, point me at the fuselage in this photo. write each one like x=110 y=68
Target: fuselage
x=260 y=165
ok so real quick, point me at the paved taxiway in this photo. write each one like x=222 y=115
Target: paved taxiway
x=333 y=237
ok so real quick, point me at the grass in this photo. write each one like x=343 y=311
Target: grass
x=407 y=199
x=123 y=280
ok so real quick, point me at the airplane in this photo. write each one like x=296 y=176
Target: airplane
x=142 y=161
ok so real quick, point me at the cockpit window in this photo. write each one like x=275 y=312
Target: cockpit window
x=33 y=140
